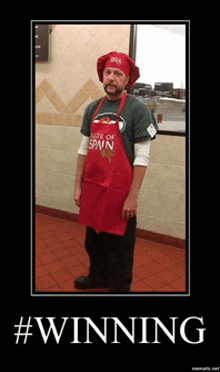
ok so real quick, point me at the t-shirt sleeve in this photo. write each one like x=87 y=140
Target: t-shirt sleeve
x=86 y=123
x=144 y=124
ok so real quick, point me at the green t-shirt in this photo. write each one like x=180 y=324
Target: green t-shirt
x=137 y=122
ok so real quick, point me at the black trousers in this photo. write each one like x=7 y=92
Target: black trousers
x=111 y=257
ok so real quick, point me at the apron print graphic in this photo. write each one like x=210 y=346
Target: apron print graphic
x=103 y=142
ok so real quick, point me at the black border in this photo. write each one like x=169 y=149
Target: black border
x=204 y=297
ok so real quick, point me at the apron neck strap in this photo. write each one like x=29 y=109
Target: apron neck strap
x=98 y=108
x=122 y=103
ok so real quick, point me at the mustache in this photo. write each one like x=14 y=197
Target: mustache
x=116 y=91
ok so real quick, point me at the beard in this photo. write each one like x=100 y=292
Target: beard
x=111 y=93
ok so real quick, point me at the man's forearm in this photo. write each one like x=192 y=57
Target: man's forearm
x=138 y=176
x=81 y=163
x=131 y=203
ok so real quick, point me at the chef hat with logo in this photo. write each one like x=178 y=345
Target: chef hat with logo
x=121 y=61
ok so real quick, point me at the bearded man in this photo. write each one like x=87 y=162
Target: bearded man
x=112 y=161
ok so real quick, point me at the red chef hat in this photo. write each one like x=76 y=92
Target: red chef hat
x=121 y=61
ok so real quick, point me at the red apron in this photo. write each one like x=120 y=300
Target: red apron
x=107 y=177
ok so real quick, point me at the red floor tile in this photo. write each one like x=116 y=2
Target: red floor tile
x=167 y=276
x=82 y=257
x=47 y=258
x=179 y=285
x=67 y=286
x=77 y=249
x=41 y=271
x=51 y=240
x=165 y=288
x=78 y=270
x=57 y=247
x=166 y=261
x=142 y=272
x=179 y=270
x=63 y=254
x=64 y=237
x=70 y=261
x=62 y=276
x=72 y=243
x=61 y=257
x=42 y=249
x=155 y=254
x=142 y=245
x=37 y=262
x=143 y=258
x=54 y=267
x=45 y=234
x=154 y=267
x=154 y=281
x=54 y=288
x=45 y=282
x=140 y=286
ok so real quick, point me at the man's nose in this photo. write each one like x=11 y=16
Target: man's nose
x=111 y=76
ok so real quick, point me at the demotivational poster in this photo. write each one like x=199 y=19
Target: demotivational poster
x=166 y=322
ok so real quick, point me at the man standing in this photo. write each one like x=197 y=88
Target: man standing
x=112 y=160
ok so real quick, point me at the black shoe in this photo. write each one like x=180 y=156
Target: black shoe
x=84 y=282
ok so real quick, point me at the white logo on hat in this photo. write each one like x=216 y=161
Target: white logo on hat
x=116 y=60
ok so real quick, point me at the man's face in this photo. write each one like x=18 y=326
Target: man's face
x=114 y=81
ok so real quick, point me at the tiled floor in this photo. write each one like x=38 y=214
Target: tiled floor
x=61 y=257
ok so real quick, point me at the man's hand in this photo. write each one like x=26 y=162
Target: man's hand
x=130 y=207
x=77 y=196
